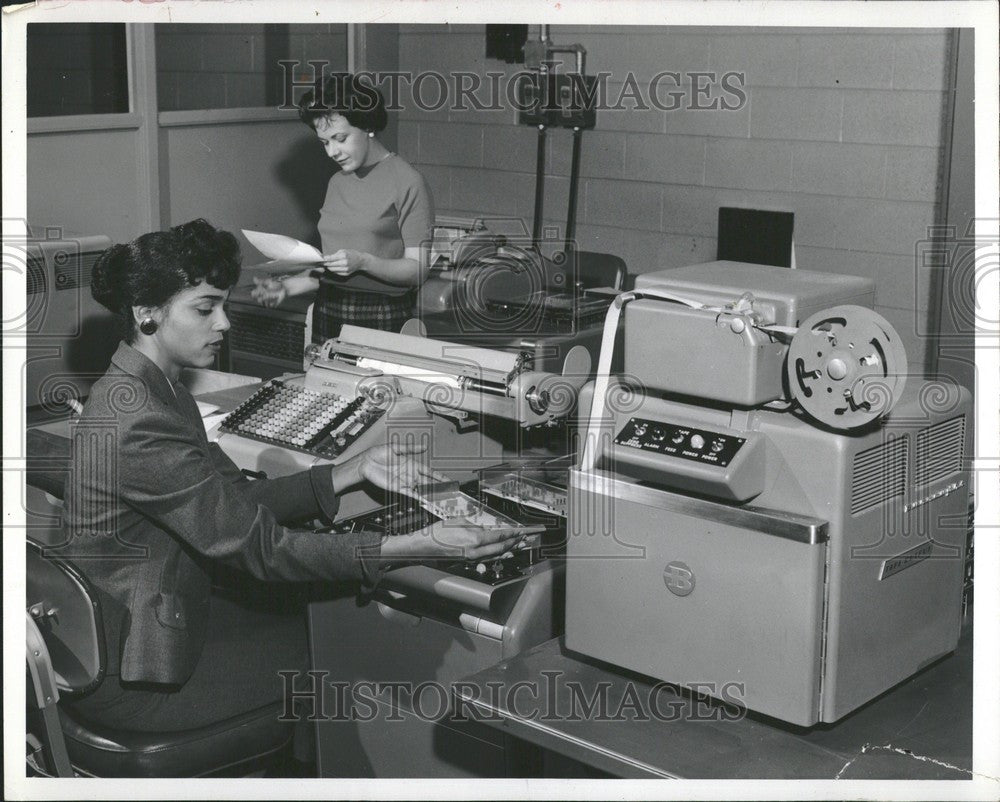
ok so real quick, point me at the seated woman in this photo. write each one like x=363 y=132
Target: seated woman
x=378 y=210
x=152 y=506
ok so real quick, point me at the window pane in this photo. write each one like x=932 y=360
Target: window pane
x=228 y=66
x=76 y=68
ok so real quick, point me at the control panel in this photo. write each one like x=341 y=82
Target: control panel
x=684 y=442
x=496 y=570
x=324 y=424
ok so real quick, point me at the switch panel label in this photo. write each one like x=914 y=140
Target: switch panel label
x=684 y=442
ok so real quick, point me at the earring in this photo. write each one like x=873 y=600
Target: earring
x=148 y=326
x=371 y=134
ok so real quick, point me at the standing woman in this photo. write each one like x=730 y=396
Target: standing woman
x=377 y=213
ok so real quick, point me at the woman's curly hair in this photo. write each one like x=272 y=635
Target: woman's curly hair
x=344 y=93
x=153 y=268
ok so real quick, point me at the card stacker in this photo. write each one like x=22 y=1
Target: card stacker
x=526 y=492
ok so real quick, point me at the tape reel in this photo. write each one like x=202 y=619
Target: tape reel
x=846 y=366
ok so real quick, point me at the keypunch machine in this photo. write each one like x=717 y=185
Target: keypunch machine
x=767 y=510
x=426 y=624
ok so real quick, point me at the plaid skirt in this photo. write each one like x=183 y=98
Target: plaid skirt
x=371 y=310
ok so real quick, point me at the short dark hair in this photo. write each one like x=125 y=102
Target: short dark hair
x=153 y=268
x=344 y=93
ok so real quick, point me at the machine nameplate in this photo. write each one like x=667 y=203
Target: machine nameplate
x=678 y=578
x=686 y=442
x=903 y=561
x=945 y=491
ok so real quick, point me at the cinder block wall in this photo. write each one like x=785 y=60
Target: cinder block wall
x=842 y=127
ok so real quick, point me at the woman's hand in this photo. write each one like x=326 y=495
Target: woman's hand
x=404 y=272
x=345 y=262
x=394 y=468
x=455 y=539
x=268 y=292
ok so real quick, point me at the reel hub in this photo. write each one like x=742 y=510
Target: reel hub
x=846 y=366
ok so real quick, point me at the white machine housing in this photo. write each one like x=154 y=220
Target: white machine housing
x=722 y=539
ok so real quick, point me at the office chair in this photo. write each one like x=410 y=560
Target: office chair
x=595 y=269
x=66 y=659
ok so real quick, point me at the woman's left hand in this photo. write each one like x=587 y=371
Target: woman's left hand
x=345 y=261
x=394 y=468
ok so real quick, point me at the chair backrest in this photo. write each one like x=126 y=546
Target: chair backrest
x=600 y=270
x=68 y=615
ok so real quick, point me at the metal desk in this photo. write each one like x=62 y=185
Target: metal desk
x=922 y=729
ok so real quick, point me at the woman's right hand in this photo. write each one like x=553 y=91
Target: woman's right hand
x=455 y=539
x=269 y=292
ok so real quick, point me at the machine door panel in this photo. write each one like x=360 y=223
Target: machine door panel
x=375 y=641
x=700 y=601
x=390 y=662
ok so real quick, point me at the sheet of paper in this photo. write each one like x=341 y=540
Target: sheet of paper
x=205 y=409
x=282 y=249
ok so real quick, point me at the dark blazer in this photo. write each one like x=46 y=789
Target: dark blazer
x=150 y=504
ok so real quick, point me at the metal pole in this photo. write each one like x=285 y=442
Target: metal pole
x=536 y=230
x=574 y=182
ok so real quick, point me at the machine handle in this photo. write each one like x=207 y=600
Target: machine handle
x=800 y=528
